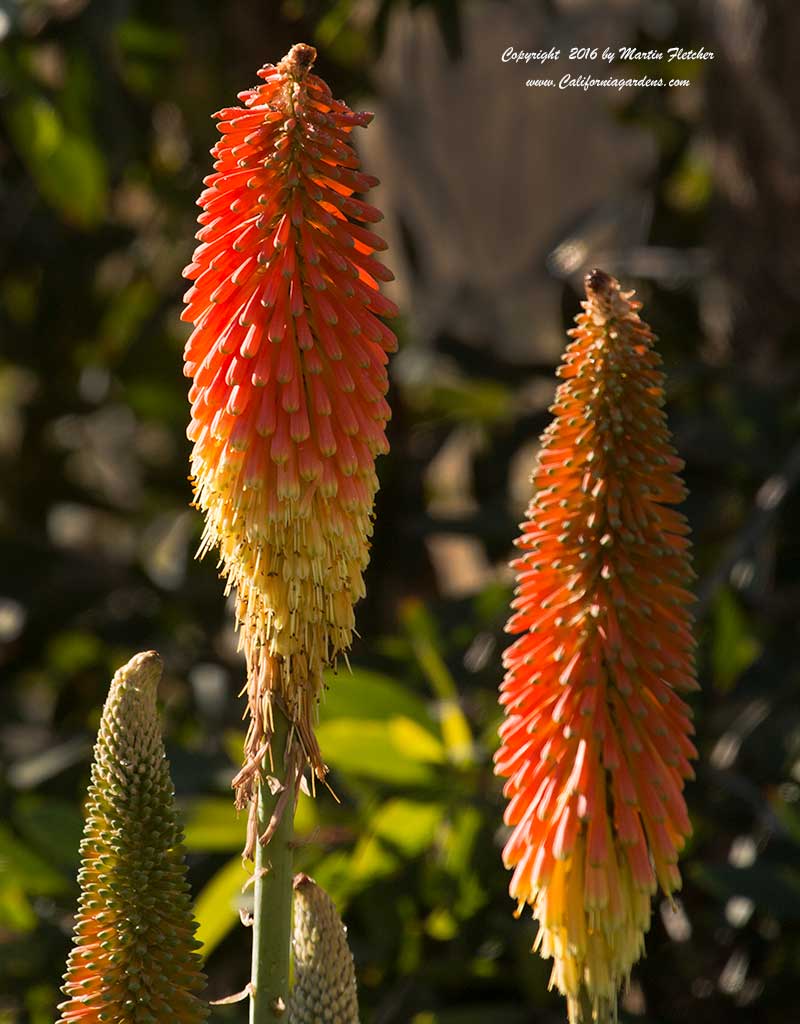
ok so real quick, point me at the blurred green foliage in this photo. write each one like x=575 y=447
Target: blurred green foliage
x=104 y=138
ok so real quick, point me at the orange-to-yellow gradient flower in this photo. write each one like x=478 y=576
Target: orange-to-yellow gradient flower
x=288 y=359
x=595 y=745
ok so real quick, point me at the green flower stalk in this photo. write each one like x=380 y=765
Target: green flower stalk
x=133 y=959
x=325 y=982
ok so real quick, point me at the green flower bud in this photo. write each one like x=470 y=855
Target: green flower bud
x=324 y=989
x=133 y=956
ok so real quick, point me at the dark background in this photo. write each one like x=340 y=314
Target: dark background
x=498 y=197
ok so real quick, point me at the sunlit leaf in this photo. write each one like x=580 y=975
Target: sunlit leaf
x=217 y=906
x=454 y=725
x=415 y=742
x=365 y=694
x=335 y=874
x=441 y=925
x=370 y=861
x=212 y=824
x=408 y=826
x=396 y=750
x=16 y=912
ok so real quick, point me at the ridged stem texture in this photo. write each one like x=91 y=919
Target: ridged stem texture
x=288 y=365
x=133 y=959
x=272 y=886
x=596 y=745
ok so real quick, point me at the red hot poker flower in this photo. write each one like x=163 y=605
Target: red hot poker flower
x=595 y=745
x=288 y=361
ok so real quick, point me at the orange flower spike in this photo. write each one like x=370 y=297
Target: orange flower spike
x=288 y=360
x=595 y=745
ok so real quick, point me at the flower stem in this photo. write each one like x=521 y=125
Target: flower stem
x=272 y=914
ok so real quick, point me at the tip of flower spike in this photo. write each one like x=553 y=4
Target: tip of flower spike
x=146 y=667
x=604 y=296
x=133 y=688
x=598 y=282
x=298 y=61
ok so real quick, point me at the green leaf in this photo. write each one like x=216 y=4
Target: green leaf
x=457 y=842
x=68 y=169
x=370 y=861
x=123 y=319
x=469 y=400
x=73 y=651
x=39 y=1001
x=491 y=604
x=455 y=727
x=408 y=826
x=138 y=37
x=396 y=750
x=399 y=831
x=27 y=869
x=212 y=824
x=415 y=742
x=364 y=694
x=16 y=912
x=734 y=647
x=441 y=924
x=217 y=907
x=775 y=889
x=53 y=827
x=334 y=873
x=460 y=839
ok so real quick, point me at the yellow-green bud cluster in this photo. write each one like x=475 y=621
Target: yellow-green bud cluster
x=133 y=959
x=325 y=982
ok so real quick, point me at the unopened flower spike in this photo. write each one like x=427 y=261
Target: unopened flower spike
x=133 y=956
x=325 y=982
x=596 y=743
x=288 y=361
